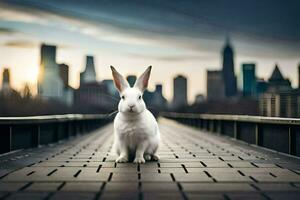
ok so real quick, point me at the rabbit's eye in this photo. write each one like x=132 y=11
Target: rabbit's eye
x=123 y=97
x=140 y=97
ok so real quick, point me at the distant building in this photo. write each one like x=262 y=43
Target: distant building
x=52 y=80
x=159 y=101
x=180 y=92
x=131 y=79
x=299 y=76
x=228 y=70
x=50 y=84
x=93 y=94
x=6 y=79
x=248 y=80
x=261 y=87
x=155 y=101
x=215 y=85
x=277 y=82
x=280 y=99
x=64 y=74
x=280 y=104
x=111 y=87
x=89 y=73
x=199 y=98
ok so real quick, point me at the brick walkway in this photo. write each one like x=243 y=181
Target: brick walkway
x=193 y=165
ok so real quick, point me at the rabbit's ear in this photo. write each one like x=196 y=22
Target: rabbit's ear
x=119 y=80
x=142 y=81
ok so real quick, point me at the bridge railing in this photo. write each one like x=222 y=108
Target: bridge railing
x=279 y=134
x=27 y=132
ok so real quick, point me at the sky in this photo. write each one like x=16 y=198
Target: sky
x=174 y=36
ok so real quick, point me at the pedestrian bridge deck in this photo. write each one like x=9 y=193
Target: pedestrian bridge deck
x=193 y=165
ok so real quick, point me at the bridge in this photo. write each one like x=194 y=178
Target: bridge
x=201 y=157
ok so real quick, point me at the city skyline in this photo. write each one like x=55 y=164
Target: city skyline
x=133 y=41
x=191 y=97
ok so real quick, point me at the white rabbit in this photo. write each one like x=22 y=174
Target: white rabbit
x=136 y=132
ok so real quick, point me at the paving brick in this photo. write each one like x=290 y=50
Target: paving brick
x=82 y=187
x=283 y=195
x=172 y=170
x=123 y=177
x=230 y=177
x=276 y=187
x=245 y=196
x=43 y=187
x=11 y=187
x=155 y=177
x=193 y=196
x=119 y=195
x=241 y=164
x=192 y=177
x=120 y=187
x=92 y=175
x=159 y=187
x=28 y=196
x=174 y=195
x=73 y=196
x=125 y=170
x=217 y=187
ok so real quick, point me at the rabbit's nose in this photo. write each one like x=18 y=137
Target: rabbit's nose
x=131 y=107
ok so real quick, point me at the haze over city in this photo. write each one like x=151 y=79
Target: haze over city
x=183 y=38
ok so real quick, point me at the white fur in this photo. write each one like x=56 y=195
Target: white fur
x=135 y=128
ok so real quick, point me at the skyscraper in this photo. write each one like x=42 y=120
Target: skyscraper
x=64 y=74
x=180 y=91
x=277 y=82
x=215 y=85
x=50 y=84
x=280 y=99
x=89 y=73
x=93 y=96
x=6 y=79
x=299 y=76
x=159 y=100
x=248 y=79
x=53 y=78
x=228 y=70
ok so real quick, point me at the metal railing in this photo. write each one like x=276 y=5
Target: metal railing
x=27 y=132
x=279 y=134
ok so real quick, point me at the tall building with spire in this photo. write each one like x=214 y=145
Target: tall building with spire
x=89 y=73
x=277 y=82
x=280 y=99
x=228 y=70
x=93 y=96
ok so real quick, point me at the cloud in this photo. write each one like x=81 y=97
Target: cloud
x=184 y=25
x=174 y=58
x=5 y=31
x=21 y=44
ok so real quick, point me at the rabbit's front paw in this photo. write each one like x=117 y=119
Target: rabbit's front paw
x=147 y=157
x=155 y=157
x=139 y=160
x=122 y=159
